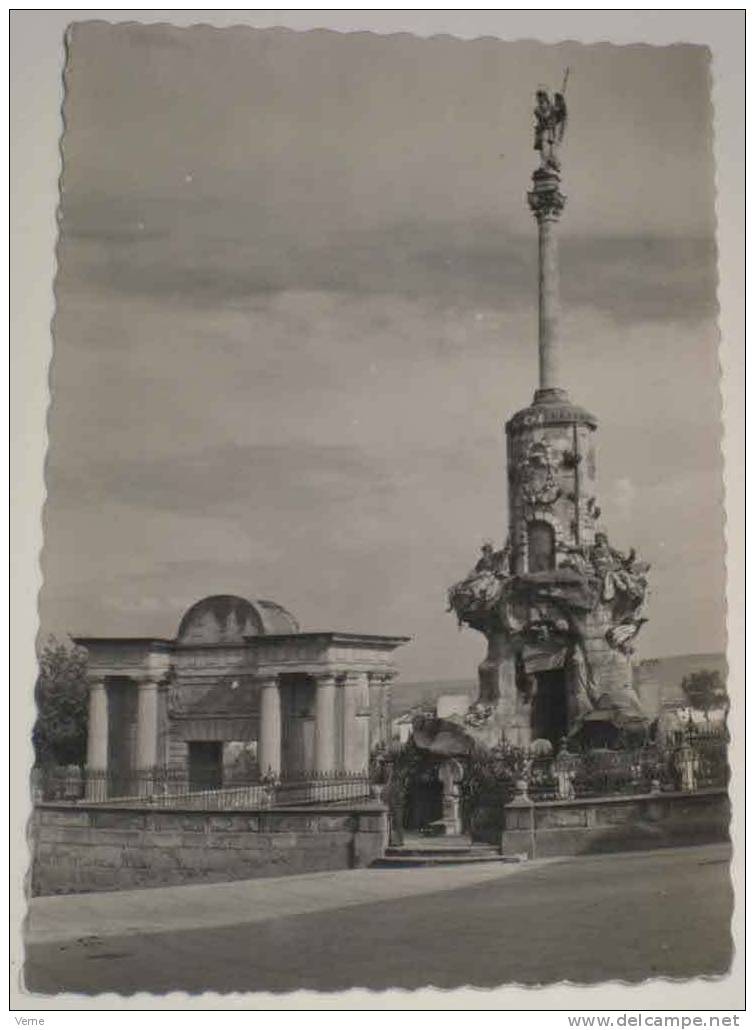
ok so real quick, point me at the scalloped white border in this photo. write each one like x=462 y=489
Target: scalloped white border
x=36 y=41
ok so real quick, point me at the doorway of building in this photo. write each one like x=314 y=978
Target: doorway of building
x=549 y=709
x=205 y=764
x=298 y=729
x=541 y=547
x=121 y=759
x=424 y=801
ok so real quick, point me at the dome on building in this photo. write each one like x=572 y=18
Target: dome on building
x=227 y=619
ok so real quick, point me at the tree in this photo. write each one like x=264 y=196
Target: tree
x=705 y=689
x=60 y=731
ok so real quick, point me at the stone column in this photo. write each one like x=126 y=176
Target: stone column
x=356 y=729
x=270 y=727
x=325 y=723
x=380 y=708
x=97 y=740
x=385 y=707
x=548 y=304
x=546 y=202
x=147 y=728
x=376 y=687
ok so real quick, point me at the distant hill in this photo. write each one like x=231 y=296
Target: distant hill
x=659 y=679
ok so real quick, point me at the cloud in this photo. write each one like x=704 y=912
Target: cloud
x=221 y=478
x=297 y=301
x=204 y=253
x=641 y=278
x=310 y=443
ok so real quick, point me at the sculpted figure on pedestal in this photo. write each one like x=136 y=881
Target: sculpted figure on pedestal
x=623 y=587
x=490 y=599
x=481 y=589
x=550 y=125
x=576 y=559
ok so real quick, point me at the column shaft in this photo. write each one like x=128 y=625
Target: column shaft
x=549 y=347
x=325 y=724
x=97 y=731
x=376 y=694
x=97 y=742
x=270 y=728
x=147 y=725
x=385 y=709
x=356 y=729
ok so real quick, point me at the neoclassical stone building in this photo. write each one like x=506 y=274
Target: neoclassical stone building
x=239 y=674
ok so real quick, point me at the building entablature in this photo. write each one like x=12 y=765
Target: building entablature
x=132 y=657
x=324 y=653
x=321 y=652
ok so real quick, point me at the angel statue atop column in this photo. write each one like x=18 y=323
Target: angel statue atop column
x=550 y=125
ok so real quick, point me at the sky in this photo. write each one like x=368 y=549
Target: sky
x=296 y=303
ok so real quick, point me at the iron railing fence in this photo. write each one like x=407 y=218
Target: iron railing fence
x=598 y=773
x=321 y=788
x=173 y=788
x=711 y=758
x=692 y=762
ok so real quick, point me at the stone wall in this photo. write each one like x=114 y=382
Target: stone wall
x=101 y=847
x=621 y=823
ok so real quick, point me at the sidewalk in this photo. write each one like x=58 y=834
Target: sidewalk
x=593 y=919
x=117 y=913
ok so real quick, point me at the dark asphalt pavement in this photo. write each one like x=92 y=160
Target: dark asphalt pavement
x=609 y=917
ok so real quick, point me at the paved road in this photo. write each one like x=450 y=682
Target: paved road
x=608 y=917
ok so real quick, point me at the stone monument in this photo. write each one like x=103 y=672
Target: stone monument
x=558 y=605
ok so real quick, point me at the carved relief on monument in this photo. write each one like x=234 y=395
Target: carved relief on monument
x=537 y=475
x=589 y=609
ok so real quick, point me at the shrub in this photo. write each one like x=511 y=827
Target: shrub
x=490 y=776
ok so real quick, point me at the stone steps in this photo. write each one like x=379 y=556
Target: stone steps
x=410 y=861
x=436 y=845
x=439 y=853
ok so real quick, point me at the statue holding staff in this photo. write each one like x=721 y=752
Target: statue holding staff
x=550 y=125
